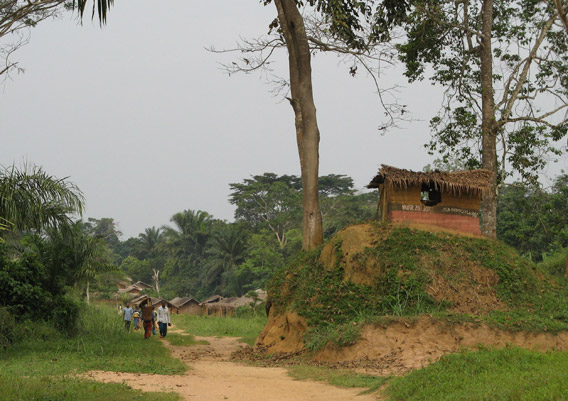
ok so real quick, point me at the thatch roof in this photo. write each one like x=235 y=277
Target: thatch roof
x=179 y=302
x=155 y=300
x=212 y=299
x=142 y=285
x=468 y=181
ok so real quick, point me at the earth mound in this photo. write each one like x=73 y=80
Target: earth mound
x=398 y=298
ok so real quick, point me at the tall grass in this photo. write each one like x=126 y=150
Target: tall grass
x=102 y=343
x=41 y=364
x=554 y=263
x=246 y=329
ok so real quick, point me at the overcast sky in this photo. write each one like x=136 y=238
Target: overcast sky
x=141 y=117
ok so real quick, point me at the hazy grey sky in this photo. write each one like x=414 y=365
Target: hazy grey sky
x=140 y=116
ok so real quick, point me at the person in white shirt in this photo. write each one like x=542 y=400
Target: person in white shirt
x=163 y=319
x=127 y=313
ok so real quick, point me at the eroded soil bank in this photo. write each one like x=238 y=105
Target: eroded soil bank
x=400 y=346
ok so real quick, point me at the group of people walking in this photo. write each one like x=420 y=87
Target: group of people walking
x=148 y=317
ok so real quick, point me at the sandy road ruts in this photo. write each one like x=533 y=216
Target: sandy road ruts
x=211 y=377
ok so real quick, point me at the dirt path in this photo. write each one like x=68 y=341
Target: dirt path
x=211 y=377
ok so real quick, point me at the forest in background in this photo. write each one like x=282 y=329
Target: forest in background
x=48 y=261
x=198 y=255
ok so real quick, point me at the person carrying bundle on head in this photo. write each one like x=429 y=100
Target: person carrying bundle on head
x=147 y=317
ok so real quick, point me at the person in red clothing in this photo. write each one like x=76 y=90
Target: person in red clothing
x=147 y=317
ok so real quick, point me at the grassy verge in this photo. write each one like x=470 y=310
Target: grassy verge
x=183 y=340
x=491 y=375
x=337 y=377
x=69 y=389
x=41 y=353
x=246 y=329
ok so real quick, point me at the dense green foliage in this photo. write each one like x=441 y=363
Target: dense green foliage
x=37 y=271
x=507 y=374
x=409 y=259
x=532 y=220
x=198 y=255
x=529 y=56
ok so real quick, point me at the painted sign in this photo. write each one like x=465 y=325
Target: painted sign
x=435 y=209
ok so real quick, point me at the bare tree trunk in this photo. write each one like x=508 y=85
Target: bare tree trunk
x=307 y=132
x=88 y=295
x=155 y=277
x=489 y=126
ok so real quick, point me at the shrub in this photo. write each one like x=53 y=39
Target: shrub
x=7 y=334
x=65 y=314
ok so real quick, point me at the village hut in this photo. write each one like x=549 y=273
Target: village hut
x=186 y=305
x=134 y=289
x=122 y=284
x=228 y=306
x=261 y=294
x=212 y=299
x=450 y=200
x=156 y=302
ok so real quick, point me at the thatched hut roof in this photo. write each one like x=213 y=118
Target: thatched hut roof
x=155 y=300
x=142 y=285
x=212 y=299
x=468 y=181
x=179 y=302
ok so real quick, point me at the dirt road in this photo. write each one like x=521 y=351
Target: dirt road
x=211 y=377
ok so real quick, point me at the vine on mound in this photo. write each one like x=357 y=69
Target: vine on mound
x=372 y=272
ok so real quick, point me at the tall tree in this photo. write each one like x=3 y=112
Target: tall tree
x=302 y=101
x=269 y=200
x=345 y=21
x=225 y=253
x=504 y=66
x=189 y=235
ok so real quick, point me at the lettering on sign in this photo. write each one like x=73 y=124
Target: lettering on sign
x=459 y=210
x=417 y=208
x=435 y=209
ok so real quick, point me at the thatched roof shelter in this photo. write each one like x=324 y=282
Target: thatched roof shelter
x=457 y=182
x=179 y=302
x=212 y=299
x=155 y=301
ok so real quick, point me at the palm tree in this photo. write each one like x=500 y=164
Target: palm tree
x=83 y=256
x=226 y=251
x=190 y=233
x=150 y=242
x=32 y=199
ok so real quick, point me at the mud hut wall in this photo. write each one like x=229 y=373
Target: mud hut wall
x=456 y=211
x=219 y=310
x=190 y=308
